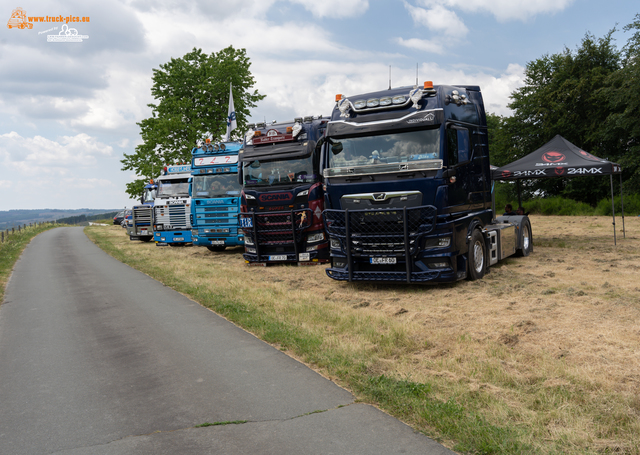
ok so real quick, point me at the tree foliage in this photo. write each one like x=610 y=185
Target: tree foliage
x=192 y=96
x=622 y=127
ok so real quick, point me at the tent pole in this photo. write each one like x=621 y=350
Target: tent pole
x=519 y=196
x=624 y=233
x=613 y=210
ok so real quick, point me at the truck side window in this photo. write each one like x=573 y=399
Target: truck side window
x=458 y=145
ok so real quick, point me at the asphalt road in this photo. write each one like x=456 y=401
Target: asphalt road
x=98 y=358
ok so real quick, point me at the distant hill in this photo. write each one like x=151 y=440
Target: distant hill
x=13 y=218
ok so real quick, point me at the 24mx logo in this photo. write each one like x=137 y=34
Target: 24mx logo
x=582 y=170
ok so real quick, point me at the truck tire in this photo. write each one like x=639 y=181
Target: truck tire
x=216 y=248
x=477 y=256
x=526 y=240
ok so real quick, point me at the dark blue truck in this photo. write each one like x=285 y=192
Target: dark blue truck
x=282 y=196
x=408 y=188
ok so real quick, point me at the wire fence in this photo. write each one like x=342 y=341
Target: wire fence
x=7 y=233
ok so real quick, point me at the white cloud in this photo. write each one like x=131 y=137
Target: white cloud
x=42 y=155
x=86 y=184
x=423 y=45
x=503 y=10
x=335 y=8
x=438 y=19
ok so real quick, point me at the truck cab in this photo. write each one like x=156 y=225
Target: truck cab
x=172 y=206
x=216 y=195
x=282 y=196
x=408 y=187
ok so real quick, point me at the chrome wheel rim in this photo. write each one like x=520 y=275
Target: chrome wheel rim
x=478 y=257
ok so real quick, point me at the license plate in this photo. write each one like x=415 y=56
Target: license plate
x=246 y=222
x=144 y=232
x=304 y=257
x=178 y=238
x=382 y=260
x=278 y=257
x=217 y=242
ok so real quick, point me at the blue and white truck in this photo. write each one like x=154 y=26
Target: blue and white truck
x=215 y=199
x=408 y=188
x=172 y=206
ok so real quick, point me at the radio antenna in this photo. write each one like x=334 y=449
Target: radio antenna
x=389 y=77
x=416 y=74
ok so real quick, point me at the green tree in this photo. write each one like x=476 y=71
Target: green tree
x=622 y=127
x=561 y=96
x=192 y=96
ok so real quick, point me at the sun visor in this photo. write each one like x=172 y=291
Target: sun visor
x=277 y=151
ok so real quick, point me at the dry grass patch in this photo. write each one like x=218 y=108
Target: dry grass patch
x=546 y=345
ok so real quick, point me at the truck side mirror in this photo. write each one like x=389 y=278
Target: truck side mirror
x=449 y=175
x=336 y=148
x=240 y=174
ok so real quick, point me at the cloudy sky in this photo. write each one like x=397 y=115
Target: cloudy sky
x=68 y=110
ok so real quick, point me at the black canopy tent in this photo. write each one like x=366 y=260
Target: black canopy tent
x=560 y=158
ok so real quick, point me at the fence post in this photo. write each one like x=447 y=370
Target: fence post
x=2 y=237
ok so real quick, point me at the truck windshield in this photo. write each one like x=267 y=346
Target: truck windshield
x=278 y=172
x=216 y=185
x=169 y=188
x=392 y=148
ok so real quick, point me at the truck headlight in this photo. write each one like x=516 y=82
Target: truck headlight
x=194 y=232
x=335 y=244
x=250 y=250
x=248 y=241
x=441 y=242
x=315 y=237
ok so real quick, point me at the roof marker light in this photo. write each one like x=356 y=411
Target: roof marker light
x=289 y=129
x=428 y=85
x=338 y=97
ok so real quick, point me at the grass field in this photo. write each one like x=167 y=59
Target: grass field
x=541 y=356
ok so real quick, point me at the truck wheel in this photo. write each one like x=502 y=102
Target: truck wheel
x=526 y=240
x=216 y=248
x=477 y=256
